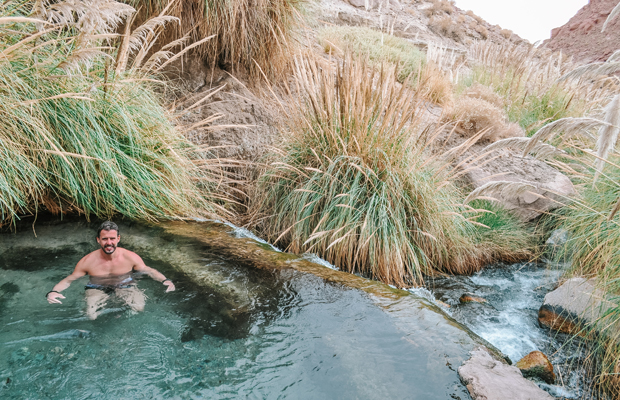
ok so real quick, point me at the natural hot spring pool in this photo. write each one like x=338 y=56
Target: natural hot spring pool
x=229 y=331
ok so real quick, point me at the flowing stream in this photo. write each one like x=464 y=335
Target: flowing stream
x=508 y=318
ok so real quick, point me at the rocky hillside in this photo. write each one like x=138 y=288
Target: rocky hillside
x=436 y=21
x=582 y=38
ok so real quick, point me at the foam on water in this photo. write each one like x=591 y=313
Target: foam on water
x=318 y=260
x=509 y=317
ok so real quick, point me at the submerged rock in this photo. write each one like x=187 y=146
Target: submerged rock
x=537 y=365
x=470 y=298
x=487 y=378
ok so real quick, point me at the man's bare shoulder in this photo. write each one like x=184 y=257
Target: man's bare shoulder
x=128 y=254
x=90 y=257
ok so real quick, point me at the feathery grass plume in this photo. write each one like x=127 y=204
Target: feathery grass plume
x=85 y=140
x=567 y=126
x=507 y=189
x=607 y=135
x=353 y=181
x=434 y=86
x=255 y=35
x=613 y=14
x=593 y=71
x=540 y=151
x=379 y=47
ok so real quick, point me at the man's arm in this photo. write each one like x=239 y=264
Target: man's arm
x=140 y=266
x=54 y=295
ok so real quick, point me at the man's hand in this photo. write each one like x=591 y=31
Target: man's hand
x=170 y=285
x=53 y=297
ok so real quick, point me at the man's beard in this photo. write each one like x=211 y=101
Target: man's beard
x=108 y=249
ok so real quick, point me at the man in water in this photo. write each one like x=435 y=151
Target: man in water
x=110 y=270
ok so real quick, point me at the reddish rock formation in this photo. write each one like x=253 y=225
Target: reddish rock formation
x=536 y=365
x=582 y=38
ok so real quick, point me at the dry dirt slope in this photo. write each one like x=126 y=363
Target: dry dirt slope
x=581 y=36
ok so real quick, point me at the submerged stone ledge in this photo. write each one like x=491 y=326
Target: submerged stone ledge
x=412 y=313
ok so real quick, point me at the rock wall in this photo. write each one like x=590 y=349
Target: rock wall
x=581 y=36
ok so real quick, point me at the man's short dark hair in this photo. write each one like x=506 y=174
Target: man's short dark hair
x=108 y=226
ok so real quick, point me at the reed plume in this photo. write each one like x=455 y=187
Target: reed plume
x=607 y=135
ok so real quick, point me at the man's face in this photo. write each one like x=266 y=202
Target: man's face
x=108 y=241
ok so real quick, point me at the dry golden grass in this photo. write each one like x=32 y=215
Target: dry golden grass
x=379 y=47
x=474 y=115
x=435 y=86
x=253 y=35
x=447 y=27
x=506 y=33
x=479 y=91
x=439 y=7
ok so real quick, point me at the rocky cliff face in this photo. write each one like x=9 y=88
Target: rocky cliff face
x=582 y=38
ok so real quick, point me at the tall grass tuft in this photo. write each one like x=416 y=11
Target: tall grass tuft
x=75 y=136
x=256 y=35
x=354 y=182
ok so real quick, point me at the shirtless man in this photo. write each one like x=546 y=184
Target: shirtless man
x=110 y=271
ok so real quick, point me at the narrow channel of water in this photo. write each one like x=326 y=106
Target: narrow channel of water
x=509 y=318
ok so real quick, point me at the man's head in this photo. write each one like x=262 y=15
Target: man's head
x=108 y=236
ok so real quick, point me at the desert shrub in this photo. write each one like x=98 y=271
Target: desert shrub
x=474 y=115
x=478 y=91
x=379 y=47
x=475 y=17
x=355 y=184
x=506 y=33
x=77 y=138
x=446 y=27
x=440 y=7
x=254 y=35
x=482 y=31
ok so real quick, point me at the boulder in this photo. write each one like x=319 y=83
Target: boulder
x=552 y=188
x=487 y=378
x=536 y=365
x=577 y=303
x=359 y=3
x=469 y=298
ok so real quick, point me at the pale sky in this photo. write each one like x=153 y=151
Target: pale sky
x=530 y=19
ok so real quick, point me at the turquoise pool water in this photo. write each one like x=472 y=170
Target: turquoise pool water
x=237 y=332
